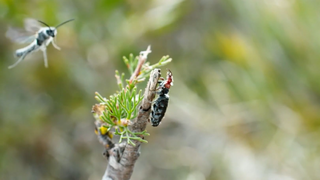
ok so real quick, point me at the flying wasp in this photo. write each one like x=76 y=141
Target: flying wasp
x=43 y=37
x=160 y=105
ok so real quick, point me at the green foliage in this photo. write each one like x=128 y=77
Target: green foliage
x=122 y=107
x=132 y=62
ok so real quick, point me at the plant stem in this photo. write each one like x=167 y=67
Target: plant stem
x=121 y=169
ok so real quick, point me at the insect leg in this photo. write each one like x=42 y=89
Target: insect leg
x=20 y=59
x=54 y=45
x=45 y=57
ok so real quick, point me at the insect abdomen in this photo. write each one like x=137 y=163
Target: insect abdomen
x=159 y=109
x=26 y=50
x=19 y=53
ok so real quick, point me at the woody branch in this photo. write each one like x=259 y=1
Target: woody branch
x=123 y=156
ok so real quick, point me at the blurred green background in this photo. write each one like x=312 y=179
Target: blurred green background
x=244 y=105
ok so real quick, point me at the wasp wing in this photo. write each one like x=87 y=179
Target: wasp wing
x=20 y=36
x=32 y=25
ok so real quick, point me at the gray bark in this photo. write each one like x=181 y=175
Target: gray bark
x=122 y=157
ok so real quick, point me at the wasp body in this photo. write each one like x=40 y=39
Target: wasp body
x=43 y=37
x=159 y=107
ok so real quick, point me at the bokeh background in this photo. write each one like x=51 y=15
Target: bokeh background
x=244 y=105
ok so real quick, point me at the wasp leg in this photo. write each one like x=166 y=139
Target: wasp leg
x=16 y=63
x=45 y=57
x=54 y=45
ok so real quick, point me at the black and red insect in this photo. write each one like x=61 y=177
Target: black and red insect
x=161 y=103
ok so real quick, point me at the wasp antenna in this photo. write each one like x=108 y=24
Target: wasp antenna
x=64 y=23
x=44 y=23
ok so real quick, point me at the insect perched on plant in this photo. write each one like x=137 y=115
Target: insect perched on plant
x=161 y=103
x=40 y=40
